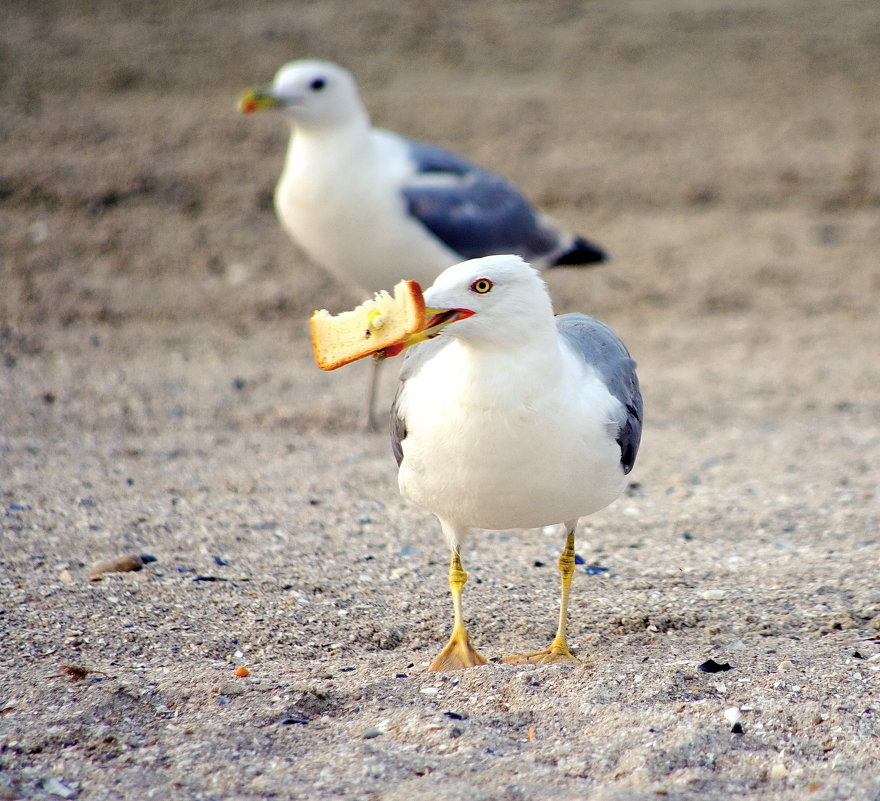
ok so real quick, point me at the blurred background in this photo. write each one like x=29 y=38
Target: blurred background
x=724 y=153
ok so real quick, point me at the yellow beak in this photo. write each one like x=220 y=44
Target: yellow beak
x=256 y=100
x=435 y=321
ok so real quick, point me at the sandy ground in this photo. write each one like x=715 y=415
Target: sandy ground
x=158 y=397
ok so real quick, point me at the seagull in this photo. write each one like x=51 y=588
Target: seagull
x=508 y=417
x=372 y=207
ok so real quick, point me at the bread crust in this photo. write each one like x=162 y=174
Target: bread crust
x=368 y=329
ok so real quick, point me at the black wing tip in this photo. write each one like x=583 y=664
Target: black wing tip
x=581 y=252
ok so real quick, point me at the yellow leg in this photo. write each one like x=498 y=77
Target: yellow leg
x=558 y=650
x=458 y=653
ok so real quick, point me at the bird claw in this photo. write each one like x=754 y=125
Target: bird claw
x=457 y=655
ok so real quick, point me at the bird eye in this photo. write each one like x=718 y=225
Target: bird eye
x=317 y=84
x=481 y=286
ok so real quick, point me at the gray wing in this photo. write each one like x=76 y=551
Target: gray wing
x=413 y=359
x=478 y=213
x=602 y=349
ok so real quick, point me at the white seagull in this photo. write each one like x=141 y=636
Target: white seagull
x=511 y=418
x=373 y=207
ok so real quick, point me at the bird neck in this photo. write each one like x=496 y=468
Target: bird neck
x=354 y=126
x=533 y=358
x=325 y=147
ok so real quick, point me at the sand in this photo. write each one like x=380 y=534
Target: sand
x=159 y=397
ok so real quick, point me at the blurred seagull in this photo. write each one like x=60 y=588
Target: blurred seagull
x=373 y=207
x=511 y=418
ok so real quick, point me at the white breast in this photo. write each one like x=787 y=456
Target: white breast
x=499 y=440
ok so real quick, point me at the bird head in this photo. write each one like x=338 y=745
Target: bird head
x=312 y=92
x=490 y=300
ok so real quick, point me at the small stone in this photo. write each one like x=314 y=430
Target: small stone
x=38 y=232
x=713 y=595
x=122 y=564
x=732 y=714
x=711 y=666
x=75 y=672
x=65 y=577
x=785 y=664
x=429 y=690
x=54 y=787
x=737 y=728
x=371 y=734
x=778 y=771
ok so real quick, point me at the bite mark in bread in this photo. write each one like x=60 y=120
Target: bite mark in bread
x=370 y=328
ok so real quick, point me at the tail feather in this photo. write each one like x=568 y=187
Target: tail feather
x=580 y=252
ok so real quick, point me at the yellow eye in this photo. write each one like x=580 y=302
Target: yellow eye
x=481 y=286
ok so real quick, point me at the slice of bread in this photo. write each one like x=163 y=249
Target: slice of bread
x=371 y=327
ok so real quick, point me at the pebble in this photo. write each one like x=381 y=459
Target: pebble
x=429 y=690
x=713 y=595
x=54 y=787
x=711 y=666
x=732 y=714
x=121 y=564
x=785 y=664
x=38 y=232
x=778 y=771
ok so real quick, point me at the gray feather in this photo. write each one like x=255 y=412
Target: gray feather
x=602 y=349
x=475 y=212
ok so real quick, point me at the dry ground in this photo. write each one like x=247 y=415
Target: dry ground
x=158 y=397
